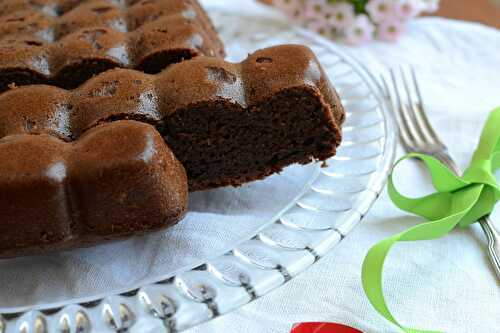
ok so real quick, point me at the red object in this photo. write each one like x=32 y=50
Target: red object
x=322 y=328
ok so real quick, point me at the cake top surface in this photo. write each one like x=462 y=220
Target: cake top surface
x=51 y=42
x=56 y=19
x=131 y=94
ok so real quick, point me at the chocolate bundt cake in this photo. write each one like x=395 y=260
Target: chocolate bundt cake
x=66 y=42
x=118 y=179
x=97 y=162
x=242 y=122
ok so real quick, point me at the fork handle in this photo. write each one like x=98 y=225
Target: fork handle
x=493 y=236
x=490 y=229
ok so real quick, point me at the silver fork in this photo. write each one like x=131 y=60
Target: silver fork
x=417 y=135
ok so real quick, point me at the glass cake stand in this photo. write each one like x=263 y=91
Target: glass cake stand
x=314 y=218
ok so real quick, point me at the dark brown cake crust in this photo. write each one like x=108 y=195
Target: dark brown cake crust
x=66 y=42
x=227 y=123
x=88 y=165
x=118 y=179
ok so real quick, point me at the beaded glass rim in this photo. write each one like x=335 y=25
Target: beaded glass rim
x=336 y=199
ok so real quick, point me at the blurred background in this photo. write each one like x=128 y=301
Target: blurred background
x=484 y=11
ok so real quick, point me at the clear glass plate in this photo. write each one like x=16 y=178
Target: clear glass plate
x=236 y=244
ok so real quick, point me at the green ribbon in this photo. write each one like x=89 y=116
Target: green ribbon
x=459 y=201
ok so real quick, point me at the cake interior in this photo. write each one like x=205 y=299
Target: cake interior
x=229 y=145
x=72 y=76
x=161 y=60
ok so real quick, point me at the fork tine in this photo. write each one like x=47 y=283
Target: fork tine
x=402 y=110
x=421 y=116
x=413 y=110
x=404 y=132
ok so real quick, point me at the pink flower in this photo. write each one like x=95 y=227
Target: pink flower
x=292 y=8
x=340 y=15
x=407 y=9
x=380 y=10
x=318 y=24
x=314 y=8
x=360 y=31
x=430 y=6
x=390 y=30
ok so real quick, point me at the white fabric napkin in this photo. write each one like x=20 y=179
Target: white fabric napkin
x=444 y=284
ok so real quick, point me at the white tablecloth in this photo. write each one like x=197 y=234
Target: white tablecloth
x=445 y=284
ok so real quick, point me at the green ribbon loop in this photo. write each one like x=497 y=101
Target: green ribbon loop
x=458 y=201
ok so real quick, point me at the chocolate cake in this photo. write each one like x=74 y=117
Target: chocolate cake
x=66 y=42
x=243 y=122
x=97 y=162
x=227 y=123
x=117 y=179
